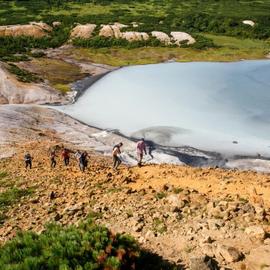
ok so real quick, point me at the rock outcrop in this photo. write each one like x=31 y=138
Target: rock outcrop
x=83 y=31
x=135 y=36
x=179 y=37
x=113 y=31
x=162 y=37
x=34 y=29
x=56 y=24
x=249 y=22
x=14 y=92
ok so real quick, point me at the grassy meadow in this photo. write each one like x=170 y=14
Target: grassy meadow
x=218 y=24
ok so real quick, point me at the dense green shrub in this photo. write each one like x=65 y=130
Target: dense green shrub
x=105 y=42
x=86 y=247
x=202 y=43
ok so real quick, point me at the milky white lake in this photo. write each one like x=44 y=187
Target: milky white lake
x=223 y=107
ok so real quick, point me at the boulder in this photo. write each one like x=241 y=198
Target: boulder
x=229 y=254
x=161 y=36
x=202 y=263
x=56 y=24
x=83 y=31
x=120 y=25
x=259 y=258
x=256 y=232
x=135 y=36
x=179 y=37
x=249 y=22
x=174 y=201
x=110 y=31
x=34 y=29
x=135 y=25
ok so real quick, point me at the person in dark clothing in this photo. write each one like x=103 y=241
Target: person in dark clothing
x=151 y=148
x=52 y=157
x=115 y=154
x=28 y=161
x=65 y=156
x=83 y=161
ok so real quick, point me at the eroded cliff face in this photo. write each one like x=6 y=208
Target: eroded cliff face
x=13 y=91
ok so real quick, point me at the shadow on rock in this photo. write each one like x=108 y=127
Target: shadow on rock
x=149 y=260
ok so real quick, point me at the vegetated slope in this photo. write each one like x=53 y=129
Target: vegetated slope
x=177 y=212
x=223 y=17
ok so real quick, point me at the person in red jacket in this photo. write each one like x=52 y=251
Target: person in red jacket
x=66 y=156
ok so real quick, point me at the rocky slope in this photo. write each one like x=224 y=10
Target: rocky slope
x=15 y=92
x=59 y=73
x=195 y=218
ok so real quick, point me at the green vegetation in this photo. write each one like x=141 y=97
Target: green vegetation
x=24 y=44
x=11 y=196
x=159 y=226
x=23 y=75
x=83 y=247
x=213 y=16
x=3 y=175
x=234 y=49
x=160 y=195
x=59 y=73
x=216 y=25
x=87 y=246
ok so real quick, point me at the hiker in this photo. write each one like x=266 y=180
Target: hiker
x=52 y=157
x=115 y=154
x=77 y=155
x=28 y=161
x=151 y=148
x=141 y=148
x=65 y=155
x=83 y=161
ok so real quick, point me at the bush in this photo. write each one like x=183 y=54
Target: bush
x=106 y=42
x=85 y=247
x=202 y=43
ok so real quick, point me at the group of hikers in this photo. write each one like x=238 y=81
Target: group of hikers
x=82 y=157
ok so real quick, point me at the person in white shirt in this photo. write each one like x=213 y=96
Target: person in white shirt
x=115 y=155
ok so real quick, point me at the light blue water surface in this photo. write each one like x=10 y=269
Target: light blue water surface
x=204 y=105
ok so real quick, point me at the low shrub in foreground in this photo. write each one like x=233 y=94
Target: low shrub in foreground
x=86 y=247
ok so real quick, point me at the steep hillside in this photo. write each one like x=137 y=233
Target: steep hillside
x=178 y=212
